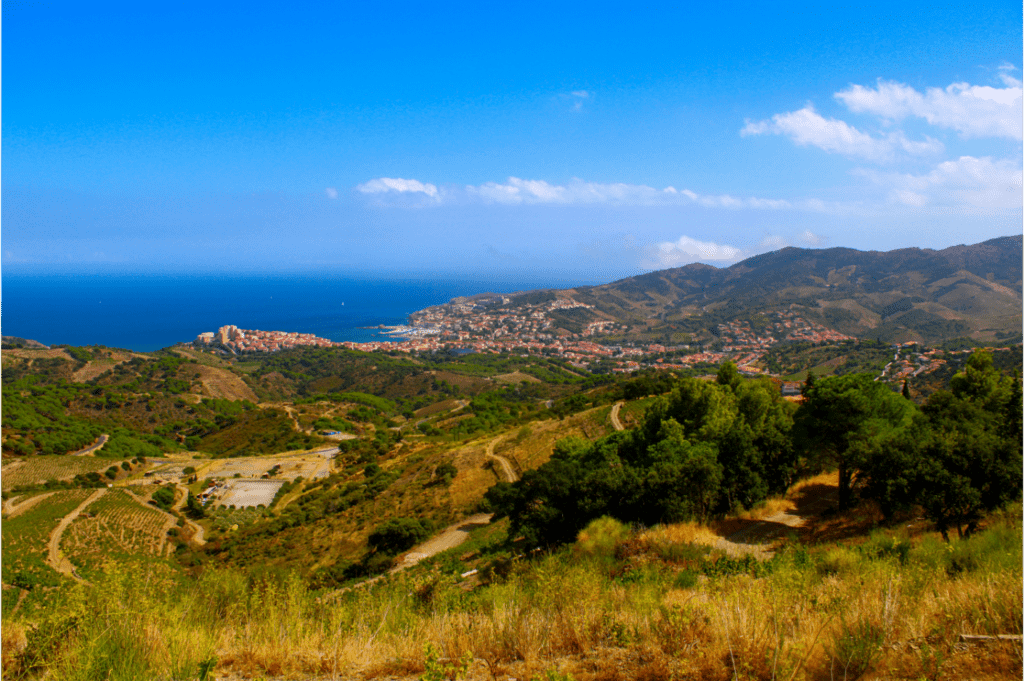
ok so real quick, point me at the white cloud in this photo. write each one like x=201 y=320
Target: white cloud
x=331 y=192
x=687 y=250
x=969 y=184
x=810 y=238
x=578 y=192
x=772 y=242
x=384 y=185
x=971 y=110
x=807 y=127
x=578 y=97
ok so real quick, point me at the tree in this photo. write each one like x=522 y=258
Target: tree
x=962 y=455
x=397 y=535
x=844 y=418
x=193 y=508
x=701 y=449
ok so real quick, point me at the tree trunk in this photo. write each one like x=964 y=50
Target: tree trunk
x=844 y=487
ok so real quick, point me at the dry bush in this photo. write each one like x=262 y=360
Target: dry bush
x=679 y=533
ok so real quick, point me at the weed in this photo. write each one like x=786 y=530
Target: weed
x=855 y=648
x=438 y=669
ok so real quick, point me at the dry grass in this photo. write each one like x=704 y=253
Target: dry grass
x=679 y=533
x=562 y=612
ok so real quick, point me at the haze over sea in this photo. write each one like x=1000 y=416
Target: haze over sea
x=150 y=312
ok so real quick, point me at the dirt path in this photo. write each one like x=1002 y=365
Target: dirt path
x=616 y=423
x=12 y=511
x=100 y=441
x=54 y=557
x=462 y=404
x=172 y=520
x=295 y=420
x=197 y=530
x=449 y=538
x=510 y=474
x=756 y=538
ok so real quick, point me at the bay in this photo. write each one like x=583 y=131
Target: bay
x=149 y=312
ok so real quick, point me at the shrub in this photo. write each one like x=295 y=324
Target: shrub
x=164 y=498
x=855 y=648
x=397 y=535
x=837 y=561
x=600 y=537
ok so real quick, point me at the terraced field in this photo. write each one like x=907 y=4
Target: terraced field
x=117 y=527
x=25 y=537
x=38 y=469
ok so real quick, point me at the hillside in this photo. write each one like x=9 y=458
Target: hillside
x=901 y=295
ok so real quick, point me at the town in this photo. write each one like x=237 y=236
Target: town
x=490 y=325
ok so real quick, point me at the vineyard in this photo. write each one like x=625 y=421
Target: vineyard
x=116 y=526
x=38 y=469
x=25 y=537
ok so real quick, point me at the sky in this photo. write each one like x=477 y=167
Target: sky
x=577 y=141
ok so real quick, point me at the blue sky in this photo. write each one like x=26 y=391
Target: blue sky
x=585 y=141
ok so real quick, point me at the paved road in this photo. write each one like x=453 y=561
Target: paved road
x=102 y=440
x=616 y=423
x=54 y=557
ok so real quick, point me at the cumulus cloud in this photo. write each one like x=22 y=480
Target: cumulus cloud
x=331 y=192
x=984 y=184
x=687 y=250
x=807 y=127
x=385 y=185
x=971 y=110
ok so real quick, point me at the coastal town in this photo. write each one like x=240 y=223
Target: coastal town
x=491 y=325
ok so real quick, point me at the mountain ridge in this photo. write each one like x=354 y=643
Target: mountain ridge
x=908 y=294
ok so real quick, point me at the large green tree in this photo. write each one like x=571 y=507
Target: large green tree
x=844 y=419
x=704 y=448
x=962 y=455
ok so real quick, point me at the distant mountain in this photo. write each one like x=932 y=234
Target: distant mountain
x=906 y=294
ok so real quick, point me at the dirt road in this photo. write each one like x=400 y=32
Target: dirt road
x=54 y=557
x=449 y=538
x=616 y=423
x=100 y=441
x=12 y=511
x=510 y=474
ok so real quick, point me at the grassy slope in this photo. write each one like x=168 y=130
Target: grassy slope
x=890 y=603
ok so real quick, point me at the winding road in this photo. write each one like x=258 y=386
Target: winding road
x=100 y=441
x=11 y=511
x=616 y=423
x=510 y=474
x=57 y=560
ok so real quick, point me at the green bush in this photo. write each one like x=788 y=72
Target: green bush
x=164 y=498
x=397 y=535
x=601 y=537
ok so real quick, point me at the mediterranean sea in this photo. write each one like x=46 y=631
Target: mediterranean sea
x=150 y=312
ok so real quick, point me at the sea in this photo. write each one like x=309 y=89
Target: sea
x=150 y=312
